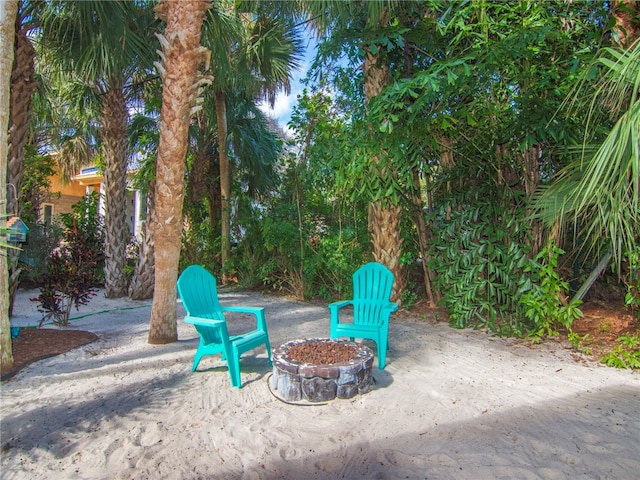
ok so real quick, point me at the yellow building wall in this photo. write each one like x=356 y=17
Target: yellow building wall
x=73 y=188
x=63 y=195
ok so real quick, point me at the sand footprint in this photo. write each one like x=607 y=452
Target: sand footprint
x=115 y=455
x=287 y=453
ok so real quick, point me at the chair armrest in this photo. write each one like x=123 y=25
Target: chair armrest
x=261 y=321
x=207 y=322
x=391 y=306
x=334 y=309
x=335 y=306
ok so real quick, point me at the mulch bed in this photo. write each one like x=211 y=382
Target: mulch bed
x=35 y=344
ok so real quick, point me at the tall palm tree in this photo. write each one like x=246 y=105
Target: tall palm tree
x=181 y=56
x=384 y=215
x=253 y=149
x=102 y=46
x=23 y=85
x=258 y=57
x=8 y=14
x=340 y=18
x=143 y=139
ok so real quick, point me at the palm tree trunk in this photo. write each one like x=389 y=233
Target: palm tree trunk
x=199 y=174
x=225 y=184
x=387 y=243
x=384 y=219
x=142 y=282
x=181 y=57
x=114 y=140
x=204 y=180
x=8 y=13
x=213 y=195
x=627 y=15
x=23 y=84
x=531 y=158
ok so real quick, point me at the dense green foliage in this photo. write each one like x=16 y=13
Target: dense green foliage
x=545 y=302
x=305 y=237
x=474 y=123
x=626 y=354
x=480 y=256
x=505 y=135
x=632 y=281
x=598 y=188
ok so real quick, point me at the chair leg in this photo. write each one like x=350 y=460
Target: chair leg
x=233 y=365
x=196 y=360
x=268 y=352
x=382 y=352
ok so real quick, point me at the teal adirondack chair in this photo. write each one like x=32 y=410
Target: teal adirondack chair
x=372 y=307
x=197 y=289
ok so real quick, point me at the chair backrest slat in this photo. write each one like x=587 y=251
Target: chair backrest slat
x=372 y=286
x=198 y=291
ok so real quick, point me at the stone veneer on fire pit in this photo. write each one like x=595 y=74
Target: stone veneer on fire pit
x=316 y=382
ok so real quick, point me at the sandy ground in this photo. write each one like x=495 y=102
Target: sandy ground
x=450 y=405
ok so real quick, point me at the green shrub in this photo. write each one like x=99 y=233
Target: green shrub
x=542 y=302
x=337 y=255
x=41 y=241
x=74 y=268
x=626 y=354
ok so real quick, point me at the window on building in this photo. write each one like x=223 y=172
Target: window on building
x=47 y=213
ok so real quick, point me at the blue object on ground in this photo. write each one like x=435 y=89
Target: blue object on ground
x=197 y=288
x=372 y=307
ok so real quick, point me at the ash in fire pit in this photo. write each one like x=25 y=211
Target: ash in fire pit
x=321 y=369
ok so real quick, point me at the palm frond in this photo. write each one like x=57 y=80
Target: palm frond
x=274 y=51
x=599 y=194
x=74 y=154
x=619 y=86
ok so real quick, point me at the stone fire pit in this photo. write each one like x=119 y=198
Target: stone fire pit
x=321 y=369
